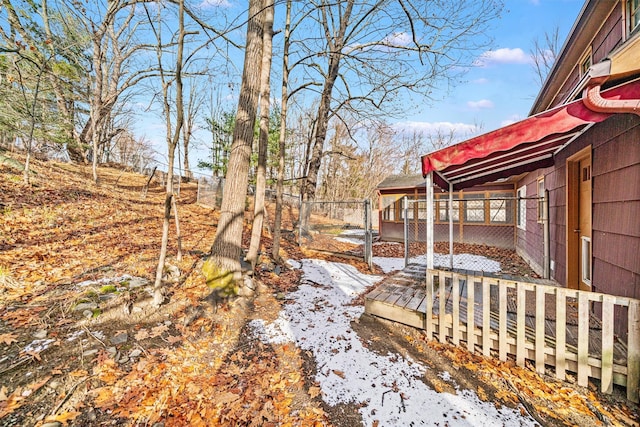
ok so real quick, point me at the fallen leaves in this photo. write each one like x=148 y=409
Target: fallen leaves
x=65 y=230
x=17 y=398
x=8 y=338
x=64 y=417
x=338 y=373
x=548 y=398
x=21 y=317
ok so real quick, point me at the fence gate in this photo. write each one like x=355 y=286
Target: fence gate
x=340 y=228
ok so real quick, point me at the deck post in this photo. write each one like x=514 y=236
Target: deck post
x=450 y=213
x=633 y=356
x=405 y=228
x=545 y=237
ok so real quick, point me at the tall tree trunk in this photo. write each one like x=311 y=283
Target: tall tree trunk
x=336 y=44
x=222 y=270
x=263 y=140
x=313 y=167
x=277 y=221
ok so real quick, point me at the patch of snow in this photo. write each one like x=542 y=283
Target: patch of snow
x=461 y=261
x=75 y=335
x=386 y=243
x=296 y=265
x=388 y=388
x=356 y=239
x=277 y=332
x=38 y=346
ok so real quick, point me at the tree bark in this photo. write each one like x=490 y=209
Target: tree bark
x=277 y=221
x=263 y=142
x=223 y=270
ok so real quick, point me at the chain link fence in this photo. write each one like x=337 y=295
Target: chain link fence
x=339 y=228
x=210 y=191
x=495 y=235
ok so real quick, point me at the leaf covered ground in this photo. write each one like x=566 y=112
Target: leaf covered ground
x=81 y=344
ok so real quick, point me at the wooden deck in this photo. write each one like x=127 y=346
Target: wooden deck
x=402 y=297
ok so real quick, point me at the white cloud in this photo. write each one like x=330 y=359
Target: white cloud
x=215 y=3
x=398 y=39
x=481 y=81
x=483 y=104
x=511 y=120
x=503 y=56
x=434 y=128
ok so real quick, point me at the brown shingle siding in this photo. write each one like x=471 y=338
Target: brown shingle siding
x=618 y=217
x=609 y=36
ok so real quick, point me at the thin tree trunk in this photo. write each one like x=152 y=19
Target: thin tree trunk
x=172 y=142
x=263 y=140
x=277 y=221
x=178 y=234
x=222 y=270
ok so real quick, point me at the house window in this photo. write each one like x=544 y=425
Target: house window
x=586 y=260
x=422 y=209
x=542 y=211
x=474 y=209
x=501 y=209
x=443 y=210
x=388 y=208
x=585 y=64
x=410 y=207
x=522 y=207
x=633 y=14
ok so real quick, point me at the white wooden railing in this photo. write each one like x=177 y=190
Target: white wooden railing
x=548 y=325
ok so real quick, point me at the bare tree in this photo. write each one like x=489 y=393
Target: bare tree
x=194 y=106
x=412 y=147
x=361 y=56
x=223 y=270
x=263 y=140
x=172 y=132
x=544 y=53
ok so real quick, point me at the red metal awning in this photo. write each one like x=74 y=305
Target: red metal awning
x=521 y=147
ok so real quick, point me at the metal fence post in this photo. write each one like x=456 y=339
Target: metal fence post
x=300 y=219
x=406 y=230
x=368 y=238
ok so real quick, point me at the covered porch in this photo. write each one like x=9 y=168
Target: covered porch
x=570 y=330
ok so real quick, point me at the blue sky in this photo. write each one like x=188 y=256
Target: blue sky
x=499 y=90
x=502 y=88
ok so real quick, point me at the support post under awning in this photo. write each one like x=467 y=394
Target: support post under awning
x=430 y=220
x=428 y=324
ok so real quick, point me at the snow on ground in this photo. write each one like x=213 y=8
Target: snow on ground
x=462 y=261
x=387 y=387
x=355 y=237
